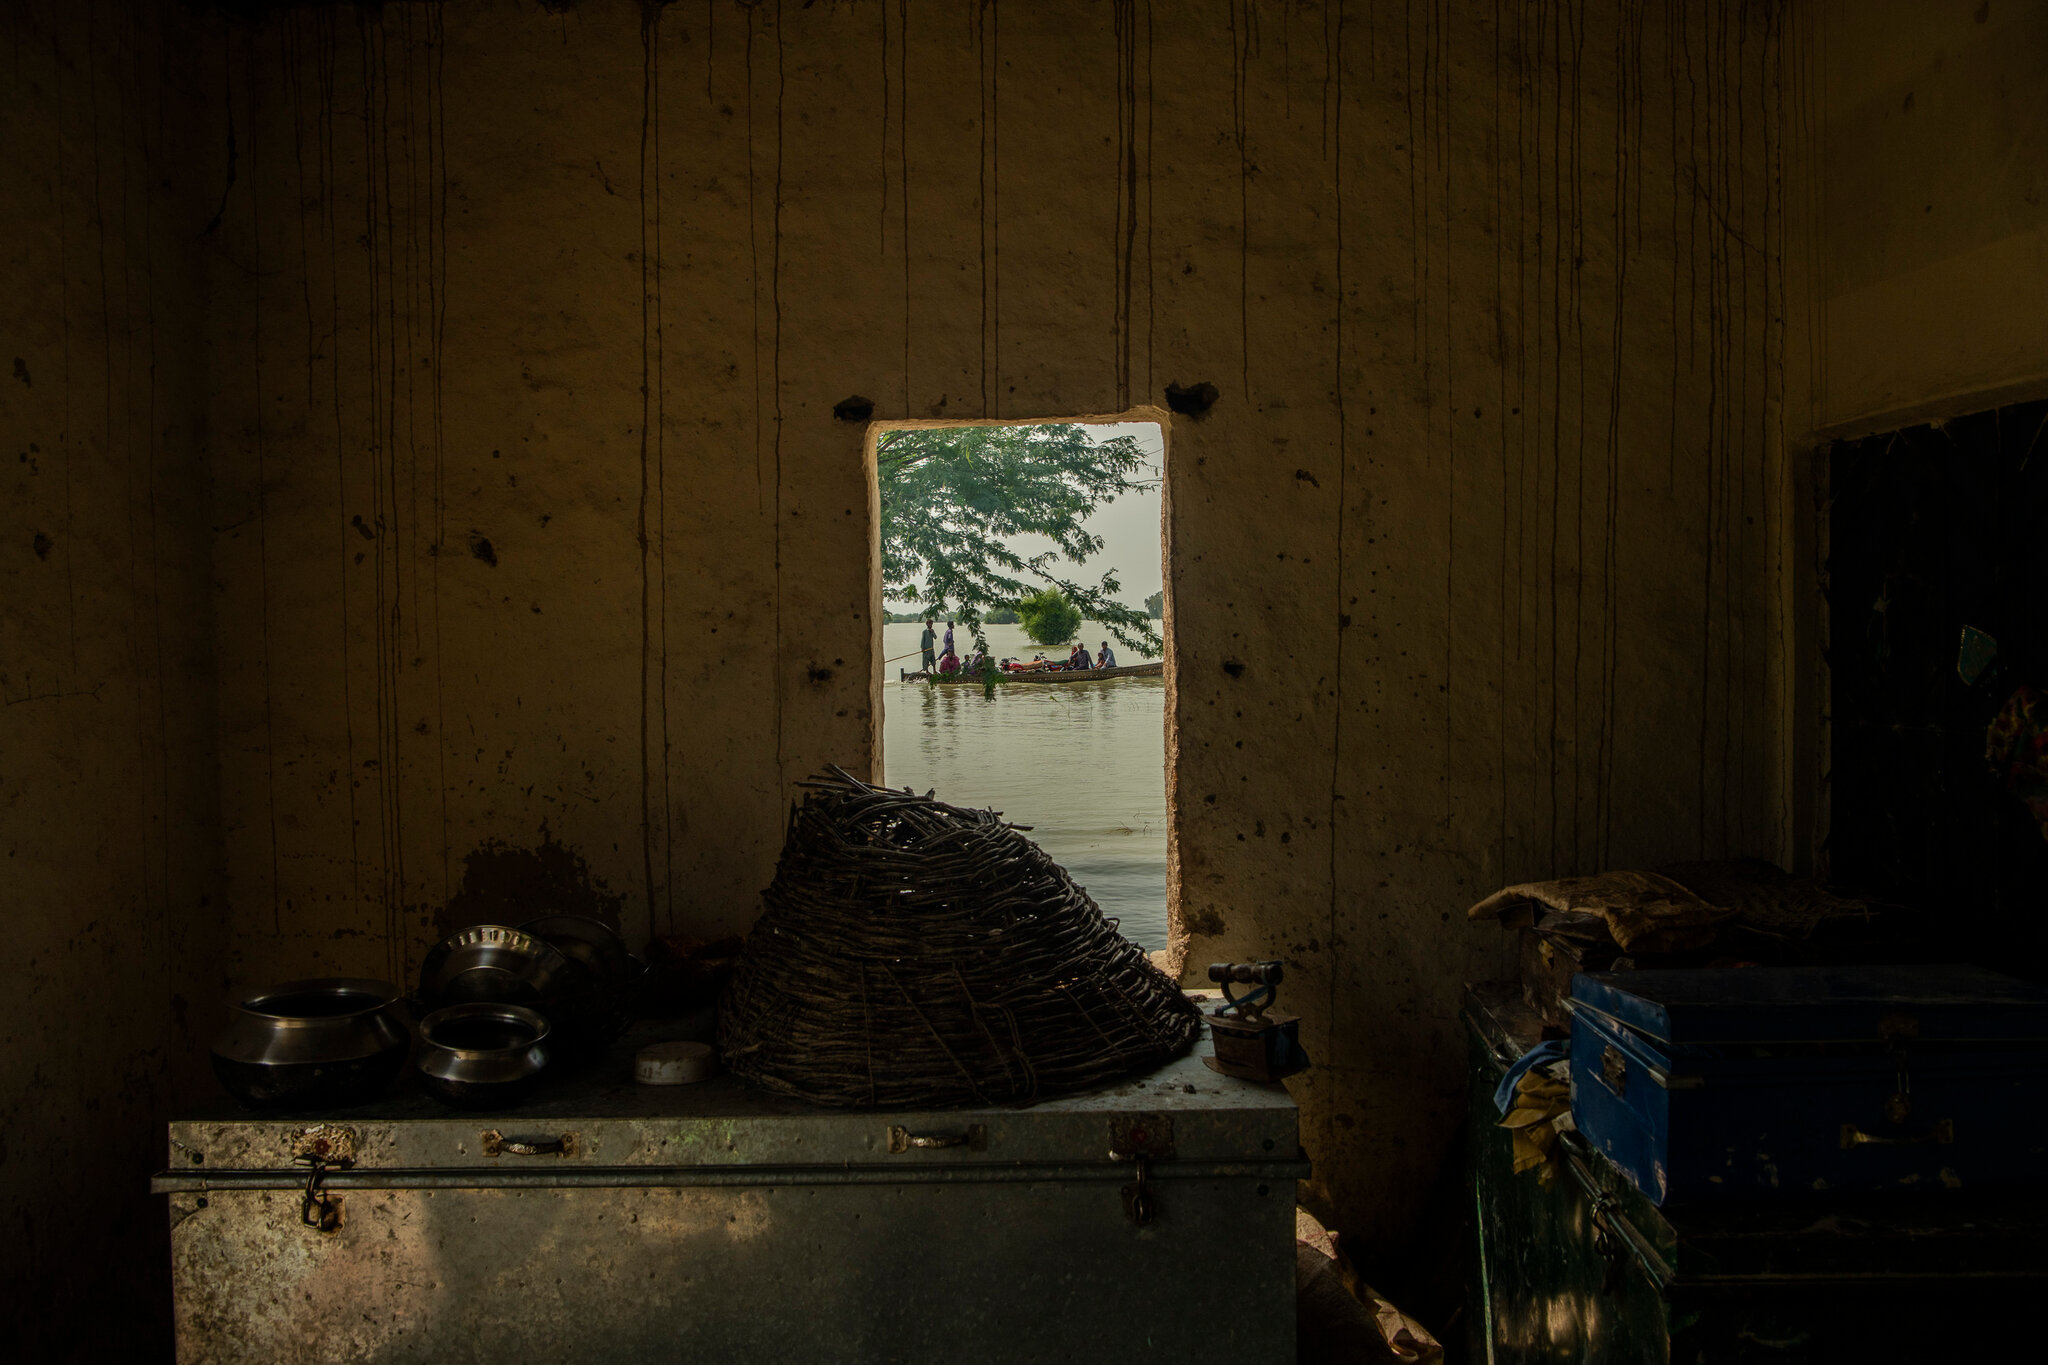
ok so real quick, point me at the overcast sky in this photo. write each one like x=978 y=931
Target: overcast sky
x=1129 y=527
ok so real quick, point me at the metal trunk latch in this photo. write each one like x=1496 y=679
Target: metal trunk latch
x=1141 y=1140
x=1606 y=1245
x=328 y=1147
x=319 y=1209
x=1899 y=1029
x=1614 y=1069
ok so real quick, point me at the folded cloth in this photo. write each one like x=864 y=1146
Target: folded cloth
x=1542 y=1104
x=1645 y=912
x=1764 y=896
x=1555 y=1050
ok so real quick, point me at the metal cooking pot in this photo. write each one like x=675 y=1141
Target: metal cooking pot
x=595 y=1007
x=318 y=1044
x=494 y=964
x=482 y=1056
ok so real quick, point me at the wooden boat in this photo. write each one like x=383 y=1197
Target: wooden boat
x=1064 y=675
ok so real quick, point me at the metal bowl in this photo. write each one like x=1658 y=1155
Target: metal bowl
x=317 y=1044
x=598 y=1008
x=482 y=1056
x=494 y=964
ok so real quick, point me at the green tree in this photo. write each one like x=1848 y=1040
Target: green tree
x=952 y=497
x=1048 y=617
x=1155 y=605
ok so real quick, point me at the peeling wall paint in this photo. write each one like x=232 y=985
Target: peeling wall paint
x=522 y=331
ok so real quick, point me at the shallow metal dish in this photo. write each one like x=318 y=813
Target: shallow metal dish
x=482 y=1056
x=494 y=964
x=318 y=1044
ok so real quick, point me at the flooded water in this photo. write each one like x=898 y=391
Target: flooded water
x=1084 y=764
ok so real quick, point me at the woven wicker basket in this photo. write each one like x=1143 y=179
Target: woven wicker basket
x=914 y=954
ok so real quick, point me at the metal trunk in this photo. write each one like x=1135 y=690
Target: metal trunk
x=1586 y=1269
x=607 y=1222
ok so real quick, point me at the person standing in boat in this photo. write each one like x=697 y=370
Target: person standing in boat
x=1106 y=659
x=925 y=643
x=949 y=640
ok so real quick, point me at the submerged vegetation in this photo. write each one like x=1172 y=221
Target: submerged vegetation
x=1048 y=616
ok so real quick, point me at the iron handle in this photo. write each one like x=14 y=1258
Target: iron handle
x=542 y=1147
x=1247 y=973
x=495 y=1143
x=902 y=1139
x=1942 y=1134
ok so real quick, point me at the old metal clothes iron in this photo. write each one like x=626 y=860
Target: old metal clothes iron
x=1251 y=1043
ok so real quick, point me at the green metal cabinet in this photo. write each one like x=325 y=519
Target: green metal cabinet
x=1585 y=1269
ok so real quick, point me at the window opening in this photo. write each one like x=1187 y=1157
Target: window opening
x=1066 y=516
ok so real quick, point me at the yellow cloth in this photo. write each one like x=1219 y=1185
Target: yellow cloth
x=1539 y=1102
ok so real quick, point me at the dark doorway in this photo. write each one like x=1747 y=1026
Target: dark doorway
x=1931 y=530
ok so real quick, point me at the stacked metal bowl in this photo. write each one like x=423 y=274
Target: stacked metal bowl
x=499 y=1005
x=505 y=1004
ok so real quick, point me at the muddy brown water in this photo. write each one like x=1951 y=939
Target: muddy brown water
x=1084 y=764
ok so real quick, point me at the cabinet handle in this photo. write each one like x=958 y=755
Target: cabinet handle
x=902 y=1139
x=1942 y=1134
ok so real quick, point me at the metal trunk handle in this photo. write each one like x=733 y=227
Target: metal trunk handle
x=975 y=1138
x=495 y=1143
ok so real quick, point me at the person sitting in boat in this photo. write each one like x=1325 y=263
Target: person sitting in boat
x=1106 y=659
x=949 y=662
x=1081 y=659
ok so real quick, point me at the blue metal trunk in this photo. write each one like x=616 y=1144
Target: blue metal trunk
x=1745 y=1082
x=1584 y=1268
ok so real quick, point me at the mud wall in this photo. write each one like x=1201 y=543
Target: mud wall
x=109 y=813
x=534 y=541
x=543 y=526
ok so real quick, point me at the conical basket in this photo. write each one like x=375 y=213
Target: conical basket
x=914 y=954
